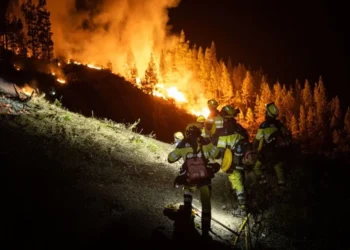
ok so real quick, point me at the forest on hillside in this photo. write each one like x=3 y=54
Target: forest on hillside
x=314 y=118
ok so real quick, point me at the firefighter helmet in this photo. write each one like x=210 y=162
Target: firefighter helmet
x=178 y=136
x=271 y=109
x=229 y=111
x=212 y=103
x=193 y=129
x=201 y=119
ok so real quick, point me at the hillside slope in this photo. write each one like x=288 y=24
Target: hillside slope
x=81 y=182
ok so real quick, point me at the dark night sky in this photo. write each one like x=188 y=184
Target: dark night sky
x=289 y=40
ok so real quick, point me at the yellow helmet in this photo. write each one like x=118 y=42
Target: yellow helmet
x=201 y=118
x=193 y=129
x=229 y=111
x=212 y=103
x=178 y=136
x=271 y=109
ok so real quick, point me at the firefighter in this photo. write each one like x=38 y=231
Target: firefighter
x=201 y=121
x=271 y=141
x=196 y=172
x=178 y=137
x=234 y=138
x=215 y=121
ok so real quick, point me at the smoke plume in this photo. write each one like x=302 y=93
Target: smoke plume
x=101 y=31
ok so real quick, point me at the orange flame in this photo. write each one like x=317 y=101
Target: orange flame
x=60 y=80
x=26 y=89
x=92 y=66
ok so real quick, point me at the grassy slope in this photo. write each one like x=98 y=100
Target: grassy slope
x=74 y=178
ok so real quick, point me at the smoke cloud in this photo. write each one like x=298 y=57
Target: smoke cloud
x=98 y=31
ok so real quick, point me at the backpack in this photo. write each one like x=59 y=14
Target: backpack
x=196 y=169
x=278 y=139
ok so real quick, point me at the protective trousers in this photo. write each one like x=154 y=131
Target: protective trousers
x=236 y=180
x=278 y=167
x=205 y=197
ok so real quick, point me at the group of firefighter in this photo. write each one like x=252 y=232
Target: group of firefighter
x=220 y=142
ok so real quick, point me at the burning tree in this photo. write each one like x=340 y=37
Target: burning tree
x=38 y=25
x=151 y=77
x=44 y=30
x=16 y=40
x=31 y=19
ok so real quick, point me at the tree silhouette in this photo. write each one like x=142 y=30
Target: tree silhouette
x=31 y=19
x=44 y=30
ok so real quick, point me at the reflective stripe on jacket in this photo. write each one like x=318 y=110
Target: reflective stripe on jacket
x=184 y=149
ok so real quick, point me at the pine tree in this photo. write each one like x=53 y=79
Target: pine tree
x=21 y=39
x=294 y=126
x=265 y=97
x=335 y=113
x=151 y=78
x=287 y=105
x=248 y=90
x=297 y=96
x=237 y=100
x=306 y=95
x=336 y=137
x=202 y=73
x=31 y=19
x=310 y=121
x=15 y=36
x=44 y=30
x=129 y=62
x=225 y=84
x=238 y=75
x=134 y=74
x=302 y=121
x=320 y=99
x=229 y=67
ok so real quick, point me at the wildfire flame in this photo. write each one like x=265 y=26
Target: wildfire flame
x=204 y=112
x=92 y=66
x=60 y=80
x=177 y=95
x=26 y=89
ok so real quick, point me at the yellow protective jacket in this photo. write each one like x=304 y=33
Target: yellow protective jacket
x=215 y=118
x=231 y=134
x=184 y=149
x=266 y=129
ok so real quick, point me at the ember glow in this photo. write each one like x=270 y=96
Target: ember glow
x=60 y=80
x=26 y=89
x=92 y=66
x=18 y=68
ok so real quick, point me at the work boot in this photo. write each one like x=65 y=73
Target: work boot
x=241 y=211
x=241 y=199
x=206 y=237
